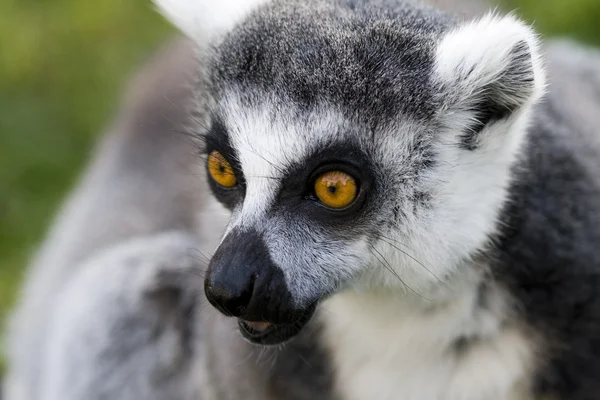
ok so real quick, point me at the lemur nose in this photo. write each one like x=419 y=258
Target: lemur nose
x=243 y=281
x=228 y=290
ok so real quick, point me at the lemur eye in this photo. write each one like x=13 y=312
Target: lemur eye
x=336 y=189
x=220 y=170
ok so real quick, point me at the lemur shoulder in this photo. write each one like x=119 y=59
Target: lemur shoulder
x=407 y=206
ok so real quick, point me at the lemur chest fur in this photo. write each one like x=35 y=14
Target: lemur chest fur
x=404 y=347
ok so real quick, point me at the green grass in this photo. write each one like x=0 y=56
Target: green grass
x=62 y=64
x=579 y=19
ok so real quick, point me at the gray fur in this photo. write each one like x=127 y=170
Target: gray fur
x=113 y=307
x=349 y=53
x=137 y=329
x=113 y=203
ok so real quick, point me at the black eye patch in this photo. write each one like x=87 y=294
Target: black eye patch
x=217 y=139
x=297 y=193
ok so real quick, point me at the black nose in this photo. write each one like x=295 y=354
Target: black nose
x=243 y=281
x=229 y=289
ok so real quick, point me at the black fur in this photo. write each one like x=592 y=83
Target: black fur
x=302 y=369
x=548 y=255
x=298 y=370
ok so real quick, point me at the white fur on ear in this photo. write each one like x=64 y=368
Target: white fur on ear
x=495 y=55
x=202 y=20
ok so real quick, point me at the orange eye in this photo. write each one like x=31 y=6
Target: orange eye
x=336 y=189
x=220 y=170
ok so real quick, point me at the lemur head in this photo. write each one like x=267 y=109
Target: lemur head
x=356 y=143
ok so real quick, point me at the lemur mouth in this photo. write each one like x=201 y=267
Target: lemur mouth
x=269 y=334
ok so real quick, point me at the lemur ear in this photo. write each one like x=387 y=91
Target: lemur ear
x=202 y=20
x=490 y=68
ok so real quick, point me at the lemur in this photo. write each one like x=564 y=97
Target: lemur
x=369 y=199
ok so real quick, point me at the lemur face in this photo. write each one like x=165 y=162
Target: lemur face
x=356 y=144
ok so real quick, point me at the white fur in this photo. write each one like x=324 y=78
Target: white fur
x=266 y=144
x=391 y=347
x=475 y=54
x=203 y=19
x=469 y=188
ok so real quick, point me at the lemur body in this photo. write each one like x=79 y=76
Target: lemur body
x=464 y=270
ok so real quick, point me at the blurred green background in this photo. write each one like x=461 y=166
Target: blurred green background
x=62 y=65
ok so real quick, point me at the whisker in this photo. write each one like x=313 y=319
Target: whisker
x=386 y=266
x=262 y=177
x=273 y=360
x=389 y=241
x=305 y=361
x=200 y=252
x=278 y=168
x=187 y=113
x=261 y=354
x=390 y=269
x=195 y=139
x=250 y=354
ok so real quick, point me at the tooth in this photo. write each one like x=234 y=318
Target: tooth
x=259 y=326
